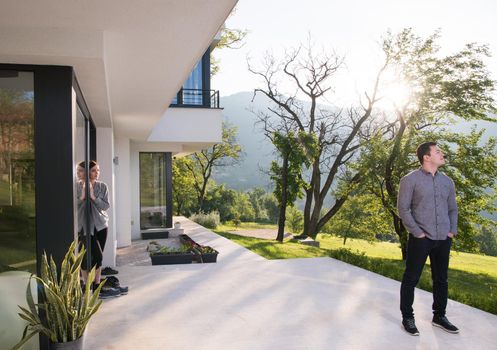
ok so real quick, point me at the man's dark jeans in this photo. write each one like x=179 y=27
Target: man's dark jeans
x=418 y=249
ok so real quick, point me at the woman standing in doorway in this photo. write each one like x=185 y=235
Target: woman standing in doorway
x=98 y=222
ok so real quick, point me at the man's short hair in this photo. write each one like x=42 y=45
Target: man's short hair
x=424 y=150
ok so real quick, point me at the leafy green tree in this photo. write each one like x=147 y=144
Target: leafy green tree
x=271 y=207
x=487 y=240
x=231 y=38
x=287 y=177
x=256 y=197
x=472 y=164
x=361 y=216
x=443 y=90
x=184 y=195
x=223 y=200
x=226 y=153
x=295 y=219
x=243 y=208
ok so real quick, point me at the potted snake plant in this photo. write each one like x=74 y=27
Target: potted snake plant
x=65 y=308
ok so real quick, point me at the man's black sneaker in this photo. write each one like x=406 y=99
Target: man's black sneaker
x=443 y=322
x=410 y=326
x=109 y=271
x=114 y=283
x=109 y=292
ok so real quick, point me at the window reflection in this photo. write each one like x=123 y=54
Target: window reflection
x=17 y=172
x=79 y=156
x=152 y=190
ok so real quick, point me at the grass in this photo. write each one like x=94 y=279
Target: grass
x=229 y=226
x=472 y=277
x=474 y=263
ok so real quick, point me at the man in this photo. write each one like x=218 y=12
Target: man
x=428 y=209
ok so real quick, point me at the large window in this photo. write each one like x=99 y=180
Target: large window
x=152 y=190
x=80 y=155
x=196 y=89
x=17 y=172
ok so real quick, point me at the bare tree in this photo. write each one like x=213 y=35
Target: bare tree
x=339 y=134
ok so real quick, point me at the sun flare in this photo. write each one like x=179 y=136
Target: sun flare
x=395 y=92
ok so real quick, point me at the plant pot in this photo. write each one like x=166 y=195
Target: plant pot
x=185 y=239
x=170 y=259
x=209 y=257
x=71 y=345
x=205 y=257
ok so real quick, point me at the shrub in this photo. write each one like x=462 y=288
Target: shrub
x=488 y=241
x=354 y=258
x=210 y=220
x=294 y=219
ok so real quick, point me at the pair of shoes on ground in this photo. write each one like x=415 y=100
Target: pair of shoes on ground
x=112 y=288
x=113 y=282
x=437 y=321
x=109 y=271
x=109 y=292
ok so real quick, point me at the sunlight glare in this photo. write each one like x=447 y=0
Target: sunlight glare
x=395 y=92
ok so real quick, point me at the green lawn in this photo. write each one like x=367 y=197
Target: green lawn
x=460 y=261
x=229 y=226
x=472 y=277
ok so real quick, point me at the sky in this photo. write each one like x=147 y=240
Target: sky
x=352 y=29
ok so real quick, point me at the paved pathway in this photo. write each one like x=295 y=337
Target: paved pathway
x=247 y=302
x=264 y=233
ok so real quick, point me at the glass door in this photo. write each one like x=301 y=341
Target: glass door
x=17 y=172
x=153 y=190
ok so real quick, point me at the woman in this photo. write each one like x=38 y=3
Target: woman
x=98 y=222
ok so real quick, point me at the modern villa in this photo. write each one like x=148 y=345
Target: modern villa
x=124 y=83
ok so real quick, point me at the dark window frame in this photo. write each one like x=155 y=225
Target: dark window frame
x=54 y=164
x=168 y=170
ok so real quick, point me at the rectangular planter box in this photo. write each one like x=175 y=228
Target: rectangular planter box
x=205 y=257
x=209 y=257
x=171 y=259
x=185 y=239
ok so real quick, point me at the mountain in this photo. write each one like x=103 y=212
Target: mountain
x=257 y=149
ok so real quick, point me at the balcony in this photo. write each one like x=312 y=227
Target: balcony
x=196 y=98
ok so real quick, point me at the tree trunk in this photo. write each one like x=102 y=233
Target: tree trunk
x=313 y=195
x=284 y=185
x=307 y=211
x=345 y=235
x=313 y=227
x=401 y=232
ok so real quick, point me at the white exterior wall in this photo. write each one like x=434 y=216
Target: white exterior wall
x=123 y=192
x=135 y=193
x=135 y=149
x=105 y=156
x=189 y=125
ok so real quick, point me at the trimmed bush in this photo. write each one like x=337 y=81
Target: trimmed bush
x=210 y=220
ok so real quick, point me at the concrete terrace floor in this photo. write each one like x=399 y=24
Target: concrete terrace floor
x=246 y=302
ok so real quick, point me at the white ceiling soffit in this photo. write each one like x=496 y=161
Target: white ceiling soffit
x=130 y=57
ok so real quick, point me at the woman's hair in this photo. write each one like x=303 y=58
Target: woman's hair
x=92 y=164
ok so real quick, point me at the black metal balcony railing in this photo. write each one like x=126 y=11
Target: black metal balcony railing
x=196 y=98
